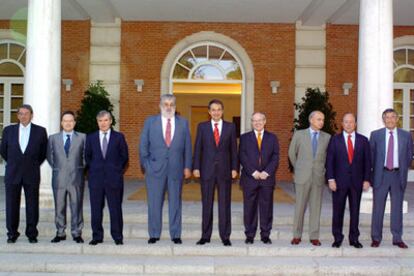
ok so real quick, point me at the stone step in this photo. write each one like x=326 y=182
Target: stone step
x=204 y=265
x=193 y=231
x=192 y=215
x=140 y=247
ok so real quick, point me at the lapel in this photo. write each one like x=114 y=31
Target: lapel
x=400 y=145
x=253 y=140
x=174 y=134
x=381 y=144
x=224 y=128
x=210 y=133
x=343 y=146
x=16 y=132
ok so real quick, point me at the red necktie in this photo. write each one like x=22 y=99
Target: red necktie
x=350 y=149
x=168 y=133
x=216 y=134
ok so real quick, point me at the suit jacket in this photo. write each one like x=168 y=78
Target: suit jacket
x=207 y=155
x=254 y=160
x=66 y=170
x=301 y=156
x=156 y=158
x=106 y=171
x=405 y=155
x=337 y=164
x=23 y=166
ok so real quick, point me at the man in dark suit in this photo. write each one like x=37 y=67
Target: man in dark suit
x=391 y=155
x=65 y=154
x=348 y=170
x=23 y=147
x=165 y=154
x=106 y=156
x=216 y=163
x=259 y=156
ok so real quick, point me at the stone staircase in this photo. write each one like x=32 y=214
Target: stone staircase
x=136 y=257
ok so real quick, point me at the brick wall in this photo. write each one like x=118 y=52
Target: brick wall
x=271 y=48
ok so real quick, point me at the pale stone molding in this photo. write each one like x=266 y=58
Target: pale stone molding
x=247 y=97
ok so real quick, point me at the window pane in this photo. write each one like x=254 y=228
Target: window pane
x=180 y=72
x=412 y=122
x=234 y=74
x=9 y=69
x=187 y=60
x=13 y=117
x=16 y=102
x=17 y=89
x=1 y=117
x=3 y=51
x=404 y=75
x=410 y=56
x=400 y=56
x=400 y=122
x=15 y=51
x=200 y=53
x=1 y=88
x=398 y=95
x=207 y=72
x=214 y=52
x=1 y=104
x=398 y=108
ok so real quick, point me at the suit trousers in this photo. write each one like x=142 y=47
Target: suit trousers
x=338 y=204
x=390 y=183
x=258 y=201
x=75 y=195
x=309 y=192
x=13 y=195
x=224 y=207
x=114 y=199
x=156 y=188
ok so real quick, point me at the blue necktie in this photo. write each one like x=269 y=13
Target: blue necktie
x=67 y=145
x=314 y=143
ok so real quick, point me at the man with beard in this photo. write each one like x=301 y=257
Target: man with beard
x=165 y=155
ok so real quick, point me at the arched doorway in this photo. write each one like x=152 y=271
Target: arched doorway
x=202 y=72
x=213 y=47
x=12 y=65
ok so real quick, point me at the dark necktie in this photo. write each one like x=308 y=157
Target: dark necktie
x=216 y=134
x=67 y=145
x=314 y=143
x=350 y=149
x=104 y=145
x=390 y=152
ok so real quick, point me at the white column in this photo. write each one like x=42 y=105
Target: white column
x=375 y=72
x=42 y=80
x=375 y=66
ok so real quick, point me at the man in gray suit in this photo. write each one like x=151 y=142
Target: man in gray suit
x=307 y=153
x=165 y=155
x=391 y=151
x=65 y=154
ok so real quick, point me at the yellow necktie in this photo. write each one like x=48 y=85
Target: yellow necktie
x=259 y=140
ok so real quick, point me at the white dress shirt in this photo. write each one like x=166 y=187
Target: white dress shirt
x=387 y=137
x=164 y=122
x=24 y=136
x=346 y=134
x=65 y=136
x=261 y=133
x=101 y=136
x=219 y=126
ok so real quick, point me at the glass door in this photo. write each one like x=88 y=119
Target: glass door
x=11 y=97
x=404 y=105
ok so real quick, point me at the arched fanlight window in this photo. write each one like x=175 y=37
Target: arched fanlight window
x=404 y=65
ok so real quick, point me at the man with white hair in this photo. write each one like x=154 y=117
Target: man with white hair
x=165 y=155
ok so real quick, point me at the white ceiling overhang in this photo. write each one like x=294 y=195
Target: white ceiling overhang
x=309 y=12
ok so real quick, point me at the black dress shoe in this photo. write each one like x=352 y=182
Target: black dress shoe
x=58 y=239
x=356 y=244
x=95 y=242
x=32 y=240
x=203 y=241
x=266 y=240
x=226 y=243
x=177 y=241
x=337 y=244
x=78 y=239
x=400 y=244
x=153 y=240
x=249 y=241
x=13 y=239
x=118 y=242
